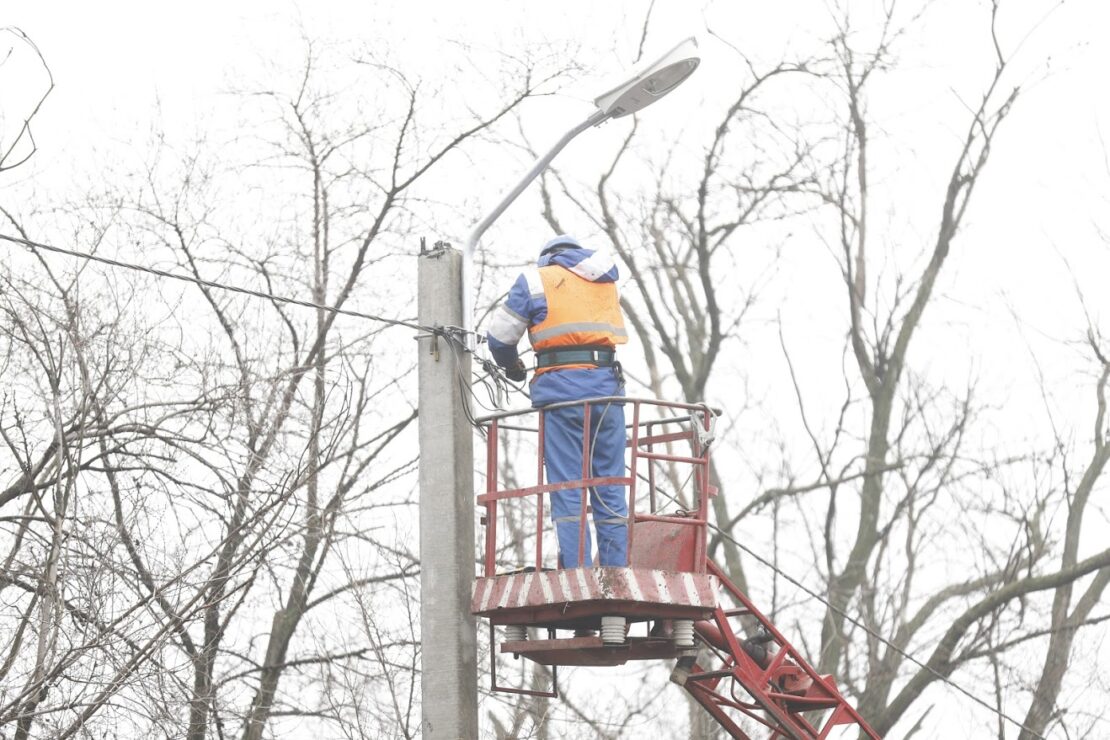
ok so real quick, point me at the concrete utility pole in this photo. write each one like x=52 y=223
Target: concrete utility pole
x=448 y=661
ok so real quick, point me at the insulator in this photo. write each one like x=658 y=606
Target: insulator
x=612 y=630
x=683 y=631
x=515 y=632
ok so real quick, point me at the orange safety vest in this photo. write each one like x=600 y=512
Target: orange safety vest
x=579 y=312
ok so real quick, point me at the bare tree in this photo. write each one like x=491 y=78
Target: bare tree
x=75 y=411
x=888 y=486
x=235 y=485
x=18 y=147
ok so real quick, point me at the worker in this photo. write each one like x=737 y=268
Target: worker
x=568 y=304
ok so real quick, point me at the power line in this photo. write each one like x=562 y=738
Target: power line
x=488 y=366
x=211 y=284
x=870 y=631
x=448 y=333
x=814 y=595
x=502 y=385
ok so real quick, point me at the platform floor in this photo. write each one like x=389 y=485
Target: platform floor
x=579 y=595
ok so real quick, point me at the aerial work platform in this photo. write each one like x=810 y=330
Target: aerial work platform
x=727 y=655
x=578 y=598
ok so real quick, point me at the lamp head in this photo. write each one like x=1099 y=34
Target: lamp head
x=658 y=79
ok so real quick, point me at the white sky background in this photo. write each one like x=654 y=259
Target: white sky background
x=125 y=68
x=113 y=61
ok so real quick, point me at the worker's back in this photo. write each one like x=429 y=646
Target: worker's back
x=568 y=304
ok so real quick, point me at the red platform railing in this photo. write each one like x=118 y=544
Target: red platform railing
x=644 y=436
x=780 y=692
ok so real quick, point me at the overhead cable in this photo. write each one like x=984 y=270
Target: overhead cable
x=499 y=391
x=908 y=656
x=502 y=386
x=816 y=596
x=212 y=284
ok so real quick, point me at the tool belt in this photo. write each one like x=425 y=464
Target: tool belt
x=583 y=355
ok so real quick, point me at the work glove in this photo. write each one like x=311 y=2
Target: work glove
x=516 y=373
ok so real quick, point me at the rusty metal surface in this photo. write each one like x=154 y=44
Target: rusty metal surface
x=588 y=614
x=589 y=651
x=643 y=586
x=667 y=546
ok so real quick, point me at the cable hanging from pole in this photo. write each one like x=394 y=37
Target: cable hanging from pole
x=32 y=245
x=501 y=386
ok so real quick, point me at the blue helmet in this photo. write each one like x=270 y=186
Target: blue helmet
x=559 y=243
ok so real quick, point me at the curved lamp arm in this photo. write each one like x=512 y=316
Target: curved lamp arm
x=656 y=81
x=541 y=164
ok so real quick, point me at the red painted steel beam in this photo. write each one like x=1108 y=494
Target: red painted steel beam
x=658 y=439
x=673 y=458
x=549 y=487
x=768 y=683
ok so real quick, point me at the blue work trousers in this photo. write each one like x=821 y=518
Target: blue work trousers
x=562 y=431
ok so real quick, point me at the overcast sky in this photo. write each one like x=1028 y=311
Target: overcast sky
x=121 y=68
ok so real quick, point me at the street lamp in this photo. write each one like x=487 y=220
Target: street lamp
x=449 y=688
x=635 y=94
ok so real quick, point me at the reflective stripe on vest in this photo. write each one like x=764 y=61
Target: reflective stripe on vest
x=579 y=312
